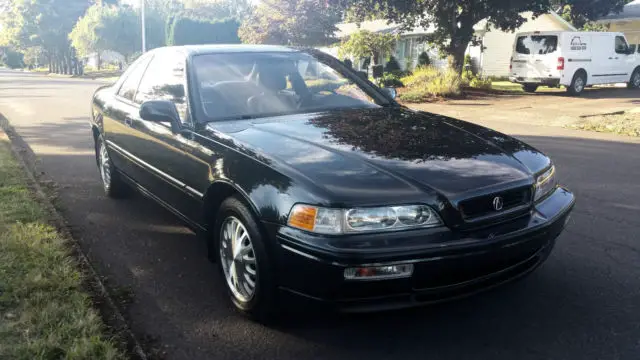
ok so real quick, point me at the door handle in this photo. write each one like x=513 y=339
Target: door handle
x=610 y=58
x=128 y=121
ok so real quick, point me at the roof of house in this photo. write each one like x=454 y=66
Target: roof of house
x=630 y=11
x=480 y=26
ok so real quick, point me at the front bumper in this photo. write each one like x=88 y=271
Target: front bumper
x=553 y=82
x=473 y=262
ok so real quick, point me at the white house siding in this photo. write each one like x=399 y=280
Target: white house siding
x=498 y=44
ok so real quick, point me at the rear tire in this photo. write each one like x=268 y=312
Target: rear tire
x=112 y=182
x=244 y=262
x=530 y=88
x=578 y=83
x=634 y=81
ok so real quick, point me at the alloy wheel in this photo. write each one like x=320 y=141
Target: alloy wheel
x=636 y=79
x=579 y=85
x=238 y=259
x=105 y=166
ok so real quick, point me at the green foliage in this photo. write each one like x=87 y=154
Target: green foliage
x=291 y=22
x=581 y=12
x=594 y=26
x=423 y=59
x=365 y=44
x=390 y=80
x=219 y=9
x=42 y=23
x=12 y=59
x=392 y=65
x=429 y=81
x=46 y=313
x=186 y=30
x=453 y=21
x=483 y=83
x=107 y=28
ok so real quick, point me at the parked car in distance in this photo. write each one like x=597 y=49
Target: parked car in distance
x=573 y=59
x=307 y=180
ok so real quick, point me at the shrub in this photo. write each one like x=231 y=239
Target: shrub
x=390 y=80
x=414 y=96
x=348 y=63
x=392 y=65
x=429 y=81
x=423 y=59
x=12 y=59
x=481 y=83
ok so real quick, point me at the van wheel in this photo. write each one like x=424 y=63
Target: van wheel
x=634 y=82
x=530 y=88
x=578 y=83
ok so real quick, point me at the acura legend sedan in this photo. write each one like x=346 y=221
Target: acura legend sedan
x=307 y=180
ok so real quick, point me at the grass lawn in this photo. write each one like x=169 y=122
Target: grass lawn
x=44 y=311
x=506 y=86
x=623 y=124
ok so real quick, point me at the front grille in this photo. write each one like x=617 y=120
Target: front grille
x=484 y=205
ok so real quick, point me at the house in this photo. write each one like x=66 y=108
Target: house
x=627 y=22
x=490 y=57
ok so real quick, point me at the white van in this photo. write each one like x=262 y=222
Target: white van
x=573 y=59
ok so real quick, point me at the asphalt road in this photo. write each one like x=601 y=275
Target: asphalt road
x=584 y=303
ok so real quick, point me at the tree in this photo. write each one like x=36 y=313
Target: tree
x=367 y=44
x=581 y=12
x=107 y=28
x=453 y=20
x=46 y=24
x=220 y=9
x=291 y=22
x=185 y=30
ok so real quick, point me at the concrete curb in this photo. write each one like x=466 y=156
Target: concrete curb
x=117 y=320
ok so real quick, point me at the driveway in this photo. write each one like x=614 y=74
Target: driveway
x=584 y=303
x=549 y=108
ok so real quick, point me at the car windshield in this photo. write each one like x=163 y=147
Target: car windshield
x=248 y=85
x=537 y=44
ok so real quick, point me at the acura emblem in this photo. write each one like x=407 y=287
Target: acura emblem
x=497 y=203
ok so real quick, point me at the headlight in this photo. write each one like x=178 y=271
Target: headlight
x=545 y=183
x=341 y=221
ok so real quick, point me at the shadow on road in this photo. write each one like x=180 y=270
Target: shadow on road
x=583 y=303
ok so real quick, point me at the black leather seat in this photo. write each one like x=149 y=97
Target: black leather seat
x=273 y=98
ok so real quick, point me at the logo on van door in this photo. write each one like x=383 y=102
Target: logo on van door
x=577 y=44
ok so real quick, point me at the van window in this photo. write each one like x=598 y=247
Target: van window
x=632 y=48
x=536 y=44
x=621 y=45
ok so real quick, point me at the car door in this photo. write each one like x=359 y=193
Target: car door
x=117 y=114
x=170 y=158
x=625 y=60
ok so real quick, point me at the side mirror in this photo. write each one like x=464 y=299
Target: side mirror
x=391 y=92
x=161 y=111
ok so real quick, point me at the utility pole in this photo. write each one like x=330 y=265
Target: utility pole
x=144 y=30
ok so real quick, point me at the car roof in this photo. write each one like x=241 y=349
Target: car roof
x=232 y=48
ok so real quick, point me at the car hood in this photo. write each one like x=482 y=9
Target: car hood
x=371 y=155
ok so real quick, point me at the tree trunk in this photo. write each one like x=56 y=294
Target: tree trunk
x=50 y=66
x=98 y=60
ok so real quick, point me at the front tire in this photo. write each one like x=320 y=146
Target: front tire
x=112 y=183
x=578 y=83
x=530 y=88
x=243 y=261
x=634 y=81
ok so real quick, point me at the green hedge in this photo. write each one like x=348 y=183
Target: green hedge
x=183 y=30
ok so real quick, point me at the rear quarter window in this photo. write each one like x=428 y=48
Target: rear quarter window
x=536 y=44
